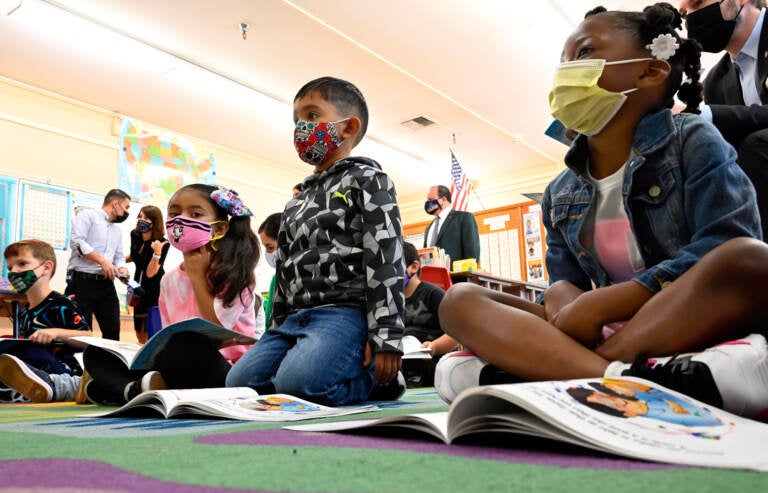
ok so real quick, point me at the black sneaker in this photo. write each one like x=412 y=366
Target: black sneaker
x=96 y=394
x=732 y=376
x=34 y=384
x=152 y=380
x=389 y=392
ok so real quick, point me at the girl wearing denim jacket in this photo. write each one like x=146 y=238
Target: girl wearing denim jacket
x=652 y=234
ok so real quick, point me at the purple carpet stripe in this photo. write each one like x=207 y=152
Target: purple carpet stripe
x=85 y=475
x=290 y=438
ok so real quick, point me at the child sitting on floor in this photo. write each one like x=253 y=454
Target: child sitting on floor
x=650 y=211
x=211 y=226
x=46 y=370
x=422 y=301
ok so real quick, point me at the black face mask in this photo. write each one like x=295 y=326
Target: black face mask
x=708 y=27
x=120 y=218
x=432 y=206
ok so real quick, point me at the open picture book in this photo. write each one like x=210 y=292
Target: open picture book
x=412 y=349
x=142 y=357
x=239 y=403
x=628 y=417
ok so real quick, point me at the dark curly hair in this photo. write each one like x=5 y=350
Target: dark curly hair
x=645 y=26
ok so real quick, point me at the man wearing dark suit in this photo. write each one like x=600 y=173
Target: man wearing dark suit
x=735 y=90
x=453 y=231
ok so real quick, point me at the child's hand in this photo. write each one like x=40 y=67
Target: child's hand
x=386 y=365
x=581 y=320
x=196 y=262
x=441 y=345
x=44 y=336
x=428 y=345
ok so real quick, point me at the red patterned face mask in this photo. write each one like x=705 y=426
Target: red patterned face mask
x=315 y=141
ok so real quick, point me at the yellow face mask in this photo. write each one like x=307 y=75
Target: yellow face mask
x=216 y=237
x=578 y=102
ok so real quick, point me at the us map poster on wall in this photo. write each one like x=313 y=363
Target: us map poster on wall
x=152 y=166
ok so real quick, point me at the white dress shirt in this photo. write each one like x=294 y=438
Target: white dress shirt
x=93 y=232
x=443 y=216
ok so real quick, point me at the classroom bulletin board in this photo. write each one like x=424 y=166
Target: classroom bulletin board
x=512 y=242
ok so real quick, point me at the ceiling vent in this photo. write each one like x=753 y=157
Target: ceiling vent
x=419 y=122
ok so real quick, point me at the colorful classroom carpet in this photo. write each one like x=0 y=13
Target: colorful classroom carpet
x=51 y=447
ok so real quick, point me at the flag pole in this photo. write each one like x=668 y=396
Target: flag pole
x=476 y=195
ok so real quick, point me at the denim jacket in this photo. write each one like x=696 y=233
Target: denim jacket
x=683 y=192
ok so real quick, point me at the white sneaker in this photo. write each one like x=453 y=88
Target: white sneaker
x=732 y=375
x=457 y=371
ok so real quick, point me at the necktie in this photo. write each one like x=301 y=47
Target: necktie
x=435 y=228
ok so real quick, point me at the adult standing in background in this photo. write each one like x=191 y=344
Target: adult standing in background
x=453 y=231
x=97 y=259
x=148 y=251
x=735 y=90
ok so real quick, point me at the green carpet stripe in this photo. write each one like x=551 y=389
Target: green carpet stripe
x=177 y=458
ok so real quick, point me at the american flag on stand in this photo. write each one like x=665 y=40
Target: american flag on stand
x=459 y=185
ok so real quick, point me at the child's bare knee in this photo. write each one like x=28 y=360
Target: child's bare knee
x=456 y=303
x=744 y=258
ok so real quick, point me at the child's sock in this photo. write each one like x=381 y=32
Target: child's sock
x=64 y=386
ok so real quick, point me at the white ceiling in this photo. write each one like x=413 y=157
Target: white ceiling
x=480 y=68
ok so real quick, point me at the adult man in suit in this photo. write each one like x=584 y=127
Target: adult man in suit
x=735 y=90
x=453 y=231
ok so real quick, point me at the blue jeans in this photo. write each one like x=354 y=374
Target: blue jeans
x=316 y=354
x=40 y=357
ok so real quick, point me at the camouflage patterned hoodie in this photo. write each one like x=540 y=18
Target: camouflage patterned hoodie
x=340 y=243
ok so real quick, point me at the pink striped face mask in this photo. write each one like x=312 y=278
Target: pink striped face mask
x=187 y=234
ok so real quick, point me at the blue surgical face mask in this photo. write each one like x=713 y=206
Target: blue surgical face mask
x=271 y=258
x=406 y=279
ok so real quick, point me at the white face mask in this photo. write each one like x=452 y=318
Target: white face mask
x=271 y=258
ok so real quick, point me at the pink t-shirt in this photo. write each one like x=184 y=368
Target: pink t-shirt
x=177 y=302
x=608 y=235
